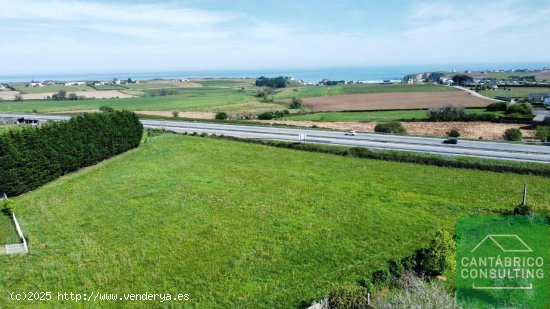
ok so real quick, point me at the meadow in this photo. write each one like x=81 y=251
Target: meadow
x=384 y=115
x=239 y=225
x=188 y=99
x=317 y=91
x=8 y=235
x=515 y=91
x=50 y=88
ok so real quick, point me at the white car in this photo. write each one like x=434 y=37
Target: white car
x=352 y=133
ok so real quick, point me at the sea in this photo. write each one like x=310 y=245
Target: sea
x=373 y=73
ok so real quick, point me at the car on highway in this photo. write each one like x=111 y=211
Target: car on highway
x=452 y=141
x=352 y=133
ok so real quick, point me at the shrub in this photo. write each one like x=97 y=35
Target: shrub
x=381 y=277
x=18 y=97
x=396 y=268
x=497 y=107
x=73 y=97
x=453 y=133
x=31 y=157
x=446 y=113
x=519 y=108
x=175 y=114
x=221 y=115
x=417 y=293
x=296 y=102
x=266 y=116
x=543 y=133
x=394 y=127
x=105 y=108
x=513 y=134
x=352 y=297
x=440 y=255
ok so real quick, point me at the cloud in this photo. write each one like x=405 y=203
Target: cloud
x=73 y=36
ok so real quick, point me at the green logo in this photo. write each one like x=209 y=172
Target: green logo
x=502 y=262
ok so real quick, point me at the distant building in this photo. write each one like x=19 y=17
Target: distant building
x=2 y=87
x=35 y=84
x=538 y=97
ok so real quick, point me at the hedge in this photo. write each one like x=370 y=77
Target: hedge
x=31 y=157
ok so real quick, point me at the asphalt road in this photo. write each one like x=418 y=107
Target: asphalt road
x=483 y=149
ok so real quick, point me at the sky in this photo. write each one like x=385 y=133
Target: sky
x=87 y=36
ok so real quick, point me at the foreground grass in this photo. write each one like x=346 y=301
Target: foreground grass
x=8 y=234
x=416 y=114
x=239 y=225
x=190 y=99
x=317 y=91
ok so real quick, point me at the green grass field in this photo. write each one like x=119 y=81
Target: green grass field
x=373 y=116
x=50 y=88
x=316 y=91
x=227 y=82
x=239 y=225
x=515 y=92
x=192 y=99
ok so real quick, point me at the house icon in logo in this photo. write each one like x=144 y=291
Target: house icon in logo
x=506 y=243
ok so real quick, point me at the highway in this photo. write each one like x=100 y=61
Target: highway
x=482 y=149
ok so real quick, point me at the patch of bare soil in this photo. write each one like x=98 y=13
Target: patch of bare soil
x=473 y=130
x=8 y=95
x=393 y=100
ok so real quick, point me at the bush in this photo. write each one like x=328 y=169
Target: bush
x=519 y=108
x=73 y=96
x=497 y=107
x=513 y=134
x=266 y=116
x=175 y=114
x=543 y=133
x=446 y=113
x=296 y=102
x=381 y=277
x=221 y=115
x=352 y=297
x=439 y=257
x=396 y=268
x=394 y=127
x=417 y=293
x=31 y=157
x=105 y=108
x=453 y=133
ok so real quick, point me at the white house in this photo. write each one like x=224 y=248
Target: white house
x=547 y=102
x=35 y=84
x=2 y=88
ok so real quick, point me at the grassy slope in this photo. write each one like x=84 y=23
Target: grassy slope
x=51 y=88
x=208 y=100
x=239 y=225
x=515 y=92
x=316 y=91
x=371 y=116
x=8 y=235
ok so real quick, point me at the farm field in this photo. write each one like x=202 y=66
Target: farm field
x=226 y=82
x=317 y=91
x=515 y=92
x=471 y=130
x=50 y=88
x=395 y=100
x=239 y=225
x=373 y=115
x=194 y=100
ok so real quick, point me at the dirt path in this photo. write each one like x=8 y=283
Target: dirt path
x=474 y=130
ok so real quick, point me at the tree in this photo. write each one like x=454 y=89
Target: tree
x=440 y=255
x=296 y=102
x=221 y=115
x=513 y=135
x=390 y=127
x=446 y=113
x=73 y=96
x=453 y=133
x=543 y=133
x=460 y=79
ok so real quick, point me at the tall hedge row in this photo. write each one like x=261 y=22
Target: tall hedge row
x=31 y=157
